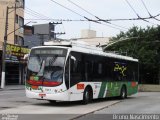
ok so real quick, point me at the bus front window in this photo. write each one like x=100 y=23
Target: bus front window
x=46 y=70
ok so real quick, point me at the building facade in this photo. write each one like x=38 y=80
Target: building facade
x=90 y=37
x=36 y=35
x=12 y=11
x=15 y=21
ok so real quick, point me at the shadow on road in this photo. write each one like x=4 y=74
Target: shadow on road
x=75 y=103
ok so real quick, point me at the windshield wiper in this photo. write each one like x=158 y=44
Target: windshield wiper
x=40 y=73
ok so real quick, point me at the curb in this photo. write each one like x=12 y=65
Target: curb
x=80 y=116
x=12 y=89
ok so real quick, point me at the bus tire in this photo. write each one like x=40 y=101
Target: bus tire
x=123 y=93
x=87 y=96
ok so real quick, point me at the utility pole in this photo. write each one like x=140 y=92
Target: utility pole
x=4 y=52
x=15 y=20
x=52 y=33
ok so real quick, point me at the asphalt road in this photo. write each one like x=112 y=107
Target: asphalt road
x=15 y=103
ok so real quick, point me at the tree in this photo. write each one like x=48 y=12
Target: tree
x=145 y=46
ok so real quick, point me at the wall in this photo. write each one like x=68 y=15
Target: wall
x=11 y=20
x=149 y=88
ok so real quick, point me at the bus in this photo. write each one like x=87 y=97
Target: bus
x=74 y=71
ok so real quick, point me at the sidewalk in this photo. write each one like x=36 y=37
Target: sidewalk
x=13 y=87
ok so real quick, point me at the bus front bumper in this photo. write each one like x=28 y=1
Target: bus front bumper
x=63 y=96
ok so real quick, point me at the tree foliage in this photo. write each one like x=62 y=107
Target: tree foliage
x=143 y=44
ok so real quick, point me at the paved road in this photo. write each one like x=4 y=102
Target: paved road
x=141 y=103
x=15 y=102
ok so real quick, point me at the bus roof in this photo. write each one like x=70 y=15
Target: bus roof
x=80 y=46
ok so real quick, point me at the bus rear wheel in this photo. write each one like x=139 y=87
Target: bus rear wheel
x=87 y=96
x=123 y=93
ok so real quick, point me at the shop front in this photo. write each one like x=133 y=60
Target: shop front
x=15 y=64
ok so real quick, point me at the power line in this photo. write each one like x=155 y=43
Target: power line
x=95 y=15
x=148 y=11
x=77 y=13
x=81 y=8
x=132 y=8
x=67 y=8
x=37 y=13
x=34 y=14
x=68 y=20
x=146 y=7
x=138 y=14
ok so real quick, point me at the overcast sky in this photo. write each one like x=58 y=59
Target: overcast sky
x=104 y=9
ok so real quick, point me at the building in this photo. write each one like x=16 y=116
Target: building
x=36 y=35
x=12 y=11
x=89 y=36
x=15 y=20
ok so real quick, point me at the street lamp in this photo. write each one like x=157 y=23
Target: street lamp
x=4 y=48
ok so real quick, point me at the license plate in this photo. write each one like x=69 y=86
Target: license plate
x=42 y=95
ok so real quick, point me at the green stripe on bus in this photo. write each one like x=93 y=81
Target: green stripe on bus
x=102 y=90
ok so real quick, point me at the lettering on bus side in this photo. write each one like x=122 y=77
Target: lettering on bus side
x=120 y=68
x=80 y=86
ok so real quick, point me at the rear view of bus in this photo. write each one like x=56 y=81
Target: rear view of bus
x=45 y=74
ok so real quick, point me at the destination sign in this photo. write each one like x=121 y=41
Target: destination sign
x=49 y=51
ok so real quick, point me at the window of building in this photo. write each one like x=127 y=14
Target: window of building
x=20 y=41
x=21 y=21
x=16 y=19
x=16 y=39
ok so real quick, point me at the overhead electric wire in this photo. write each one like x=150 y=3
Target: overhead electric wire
x=33 y=14
x=138 y=14
x=132 y=8
x=148 y=11
x=95 y=15
x=146 y=7
x=81 y=8
x=66 y=8
x=77 y=13
x=74 y=11
x=37 y=13
x=70 y=20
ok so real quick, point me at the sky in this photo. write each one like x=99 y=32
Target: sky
x=36 y=10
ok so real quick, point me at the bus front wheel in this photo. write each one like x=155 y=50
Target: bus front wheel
x=87 y=96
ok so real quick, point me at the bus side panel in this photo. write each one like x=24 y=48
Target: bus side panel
x=113 y=89
x=132 y=88
x=76 y=91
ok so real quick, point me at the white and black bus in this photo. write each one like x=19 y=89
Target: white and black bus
x=70 y=71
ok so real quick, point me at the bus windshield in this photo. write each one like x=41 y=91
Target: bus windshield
x=45 y=67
